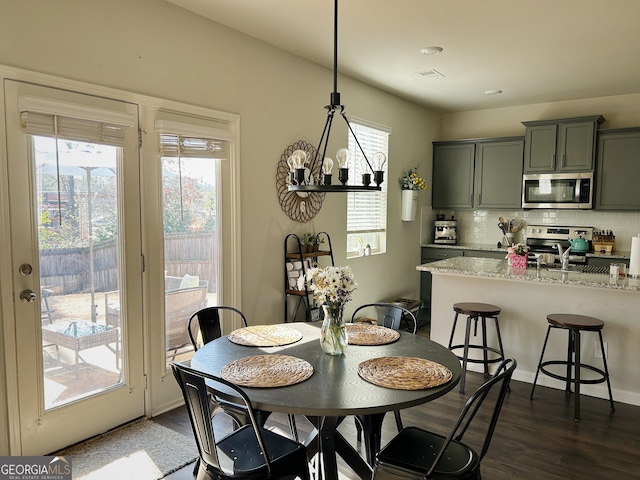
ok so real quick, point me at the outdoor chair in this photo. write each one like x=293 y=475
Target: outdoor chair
x=205 y=326
x=388 y=315
x=251 y=451
x=419 y=454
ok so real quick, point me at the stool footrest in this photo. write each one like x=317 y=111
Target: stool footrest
x=479 y=347
x=572 y=379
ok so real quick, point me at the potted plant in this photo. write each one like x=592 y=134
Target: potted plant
x=312 y=242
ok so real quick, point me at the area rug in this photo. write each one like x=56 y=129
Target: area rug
x=142 y=450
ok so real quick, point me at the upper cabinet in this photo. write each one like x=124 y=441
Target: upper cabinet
x=453 y=167
x=618 y=173
x=566 y=145
x=498 y=178
x=479 y=173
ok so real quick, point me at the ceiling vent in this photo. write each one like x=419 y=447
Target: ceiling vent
x=430 y=74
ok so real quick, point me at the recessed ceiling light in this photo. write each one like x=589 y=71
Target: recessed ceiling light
x=493 y=92
x=431 y=50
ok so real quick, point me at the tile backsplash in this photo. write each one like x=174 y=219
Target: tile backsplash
x=481 y=226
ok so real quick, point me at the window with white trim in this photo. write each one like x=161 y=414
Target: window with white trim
x=366 y=211
x=191 y=158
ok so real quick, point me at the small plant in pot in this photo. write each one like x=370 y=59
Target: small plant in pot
x=315 y=240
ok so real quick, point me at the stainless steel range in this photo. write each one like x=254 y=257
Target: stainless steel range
x=546 y=238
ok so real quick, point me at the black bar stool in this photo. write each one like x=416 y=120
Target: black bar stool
x=476 y=311
x=574 y=324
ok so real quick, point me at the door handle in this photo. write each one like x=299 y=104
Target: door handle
x=27 y=296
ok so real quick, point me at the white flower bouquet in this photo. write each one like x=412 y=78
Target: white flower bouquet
x=330 y=285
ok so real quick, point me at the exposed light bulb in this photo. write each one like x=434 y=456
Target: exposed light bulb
x=327 y=165
x=290 y=163
x=379 y=160
x=342 y=156
x=299 y=158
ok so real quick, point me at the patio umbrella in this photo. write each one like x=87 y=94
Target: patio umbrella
x=88 y=164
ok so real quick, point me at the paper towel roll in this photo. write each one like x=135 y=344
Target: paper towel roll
x=634 y=264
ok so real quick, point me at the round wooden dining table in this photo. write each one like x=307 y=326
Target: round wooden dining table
x=335 y=390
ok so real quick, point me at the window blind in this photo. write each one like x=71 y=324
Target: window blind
x=366 y=211
x=50 y=118
x=190 y=141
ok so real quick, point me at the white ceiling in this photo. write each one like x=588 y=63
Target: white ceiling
x=535 y=51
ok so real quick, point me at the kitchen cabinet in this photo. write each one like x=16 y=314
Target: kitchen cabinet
x=566 y=145
x=498 y=177
x=485 y=254
x=618 y=170
x=477 y=173
x=453 y=168
x=429 y=255
x=605 y=262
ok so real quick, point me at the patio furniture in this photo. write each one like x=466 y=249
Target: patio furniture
x=183 y=296
x=78 y=335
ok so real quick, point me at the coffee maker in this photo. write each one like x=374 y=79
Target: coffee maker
x=446 y=231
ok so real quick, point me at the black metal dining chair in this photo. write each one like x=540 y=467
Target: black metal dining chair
x=204 y=326
x=390 y=315
x=416 y=453
x=251 y=451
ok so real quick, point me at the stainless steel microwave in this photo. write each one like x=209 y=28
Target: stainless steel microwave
x=558 y=190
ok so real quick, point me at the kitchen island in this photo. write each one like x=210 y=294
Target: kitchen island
x=526 y=297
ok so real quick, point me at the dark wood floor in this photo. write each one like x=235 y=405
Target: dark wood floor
x=533 y=440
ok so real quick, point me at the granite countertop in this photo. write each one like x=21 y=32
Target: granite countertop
x=494 y=268
x=616 y=255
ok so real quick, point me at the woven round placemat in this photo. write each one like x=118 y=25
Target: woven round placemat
x=404 y=373
x=265 y=336
x=366 y=334
x=267 y=371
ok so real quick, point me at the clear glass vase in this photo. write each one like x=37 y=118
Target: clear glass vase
x=333 y=333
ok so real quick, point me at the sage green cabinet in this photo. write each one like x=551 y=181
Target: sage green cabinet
x=605 y=262
x=478 y=173
x=453 y=170
x=566 y=145
x=429 y=255
x=618 y=172
x=433 y=254
x=498 y=178
x=485 y=254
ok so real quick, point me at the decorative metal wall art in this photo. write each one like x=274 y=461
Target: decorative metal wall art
x=299 y=206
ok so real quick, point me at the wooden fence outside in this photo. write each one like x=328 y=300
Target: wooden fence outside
x=67 y=270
